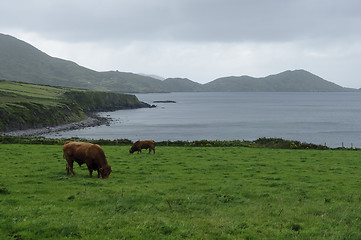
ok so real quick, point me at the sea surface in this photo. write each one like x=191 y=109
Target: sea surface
x=333 y=119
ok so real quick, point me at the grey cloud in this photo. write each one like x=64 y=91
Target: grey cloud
x=186 y=20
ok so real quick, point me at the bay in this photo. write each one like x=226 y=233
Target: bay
x=321 y=118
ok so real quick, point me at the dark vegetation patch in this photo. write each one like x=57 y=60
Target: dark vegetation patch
x=4 y=190
x=259 y=143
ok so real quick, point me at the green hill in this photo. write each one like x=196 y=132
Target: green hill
x=288 y=81
x=24 y=105
x=19 y=61
x=127 y=82
x=181 y=85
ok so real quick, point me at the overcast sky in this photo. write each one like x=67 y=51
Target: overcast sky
x=197 y=39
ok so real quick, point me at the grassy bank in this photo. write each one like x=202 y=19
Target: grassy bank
x=24 y=106
x=182 y=193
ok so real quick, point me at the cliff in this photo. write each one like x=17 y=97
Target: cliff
x=26 y=106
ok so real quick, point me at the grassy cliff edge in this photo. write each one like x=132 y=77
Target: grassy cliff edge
x=26 y=106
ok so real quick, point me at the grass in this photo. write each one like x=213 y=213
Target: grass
x=182 y=193
x=31 y=90
x=15 y=93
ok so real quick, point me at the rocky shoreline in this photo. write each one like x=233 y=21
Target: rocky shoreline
x=93 y=120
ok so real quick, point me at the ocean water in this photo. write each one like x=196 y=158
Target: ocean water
x=321 y=118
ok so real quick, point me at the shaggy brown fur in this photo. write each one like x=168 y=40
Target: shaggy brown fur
x=145 y=144
x=90 y=154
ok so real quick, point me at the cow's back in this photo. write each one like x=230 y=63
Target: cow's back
x=77 y=151
x=144 y=144
x=96 y=153
x=148 y=143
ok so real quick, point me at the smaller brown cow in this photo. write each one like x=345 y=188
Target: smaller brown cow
x=145 y=144
x=90 y=154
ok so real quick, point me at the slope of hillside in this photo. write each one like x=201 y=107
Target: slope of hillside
x=19 y=61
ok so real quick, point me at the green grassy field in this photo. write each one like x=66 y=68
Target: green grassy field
x=182 y=193
x=14 y=92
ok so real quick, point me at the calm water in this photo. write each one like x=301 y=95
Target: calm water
x=331 y=118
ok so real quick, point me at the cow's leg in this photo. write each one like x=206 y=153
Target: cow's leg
x=69 y=164
x=66 y=165
x=98 y=173
x=90 y=169
x=69 y=167
x=153 y=150
x=149 y=150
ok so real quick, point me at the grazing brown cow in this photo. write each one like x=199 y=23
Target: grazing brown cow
x=145 y=144
x=90 y=154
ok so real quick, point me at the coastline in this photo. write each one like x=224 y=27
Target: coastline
x=93 y=120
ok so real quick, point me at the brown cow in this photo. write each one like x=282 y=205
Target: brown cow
x=145 y=144
x=90 y=154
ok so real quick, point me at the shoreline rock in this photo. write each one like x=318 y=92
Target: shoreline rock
x=164 y=101
x=92 y=121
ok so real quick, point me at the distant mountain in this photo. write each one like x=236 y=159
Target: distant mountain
x=181 y=85
x=127 y=82
x=19 y=61
x=152 y=76
x=288 y=81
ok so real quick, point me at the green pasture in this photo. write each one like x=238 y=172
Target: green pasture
x=15 y=92
x=182 y=193
x=31 y=90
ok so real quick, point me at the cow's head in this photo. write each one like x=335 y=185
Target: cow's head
x=131 y=150
x=105 y=172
